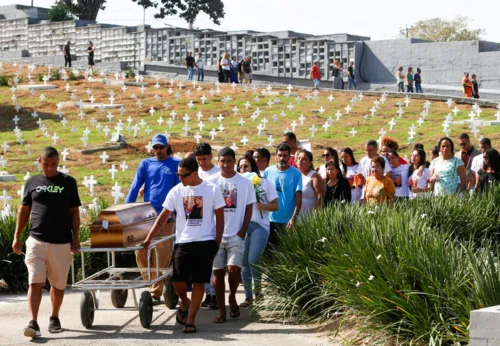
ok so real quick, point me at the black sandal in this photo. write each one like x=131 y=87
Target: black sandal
x=219 y=319
x=183 y=316
x=189 y=329
x=235 y=313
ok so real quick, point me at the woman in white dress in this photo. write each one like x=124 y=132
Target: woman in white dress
x=349 y=169
x=419 y=175
x=313 y=186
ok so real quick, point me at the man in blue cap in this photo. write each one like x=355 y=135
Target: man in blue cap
x=157 y=174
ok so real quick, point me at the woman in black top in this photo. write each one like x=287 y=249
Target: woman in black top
x=489 y=175
x=475 y=87
x=90 y=51
x=337 y=187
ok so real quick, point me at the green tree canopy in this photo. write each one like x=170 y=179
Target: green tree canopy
x=84 y=9
x=441 y=30
x=59 y=12
x=186 y=9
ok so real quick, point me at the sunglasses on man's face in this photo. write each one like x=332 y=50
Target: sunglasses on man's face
x=159 y=147
x=183 y=175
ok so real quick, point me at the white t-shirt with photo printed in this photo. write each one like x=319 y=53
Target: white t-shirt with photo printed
x=195 y=207
x=238 y=192
x=206 y=174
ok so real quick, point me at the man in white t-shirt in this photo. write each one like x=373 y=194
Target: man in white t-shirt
x=203 y=153
x=364 y=168
x=239 y=196
x=477 y=161
x=199 y=228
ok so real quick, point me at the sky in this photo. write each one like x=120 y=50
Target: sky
x=380 y=20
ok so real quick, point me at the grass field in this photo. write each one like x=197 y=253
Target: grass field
x=79 y=165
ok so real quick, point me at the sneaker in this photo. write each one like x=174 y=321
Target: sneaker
x=32 y=330
x=55 y=325
x=156 y=300
x=206 y=302
x=213 y=303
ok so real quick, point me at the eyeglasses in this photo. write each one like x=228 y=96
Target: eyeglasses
x=244 y=166
x=158 y=147
x=183 y=175
x=326 y=155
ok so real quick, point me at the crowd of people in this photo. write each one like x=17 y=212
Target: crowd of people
x=229 y=69
x=226 y=215
x=339 y=75
x=470 y=86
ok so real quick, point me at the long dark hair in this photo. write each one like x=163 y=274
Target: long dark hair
x=493 y=161
x=349 y=152
x=253 y=164
x=308 y=154
x=337 y=167
x=451 y=144
x=422 y=161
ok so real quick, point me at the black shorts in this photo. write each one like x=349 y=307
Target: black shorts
x=91 y=61
x=194 y=259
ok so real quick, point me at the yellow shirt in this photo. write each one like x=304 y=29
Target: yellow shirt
x=378 y=191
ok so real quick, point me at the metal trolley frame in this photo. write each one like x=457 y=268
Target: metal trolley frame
x=119 y=281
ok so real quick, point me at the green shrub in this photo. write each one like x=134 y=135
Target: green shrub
x=71 y=76
x=12 y=268
x=414 y=271
x=55 y=75
x=40 y=77
x=129 y=72
x=4 y=81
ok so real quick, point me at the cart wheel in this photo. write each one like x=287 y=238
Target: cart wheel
x=169 y=296
x=119 y=298
x=87 y=308
x=146 y=309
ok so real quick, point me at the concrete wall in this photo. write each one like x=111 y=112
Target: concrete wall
x=442 y=63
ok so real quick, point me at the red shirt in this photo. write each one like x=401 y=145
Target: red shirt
x=291 y=161
x=402 y=161
x=315 y=72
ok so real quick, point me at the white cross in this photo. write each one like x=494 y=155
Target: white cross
x=373 y=110
x=110 y=116
x=455 y=111
x=148 y=147
x=497 y=115
x=112 y=170
x=353 y=132
x=190 y=104
x=148 y=130
x=269 y=88
x=313 y=130
x=27 y=175
x=382 y=132
x=117 y=194
x=270 y=140
x=20 y=192
x=55 y=138
x=221 y=127
x=42 y=98
x=197 y=137
x=247 y=105
x=449 y=102
x=16 y=119
x=124 y=88
x=104 y=157
x=220 y=118
x=34 y=115
x=264 y=122
x=63 y=169
x=160 y=121
x=338 y=115
x=290 y=107
x=235 y=110
x=203 y=99
x=407 y=101
x=294 y=125
x=45 y=79
x=201 y=125
x=5 y=146
x=244 y=140
x=289 y=88
x=270 y=104
x=472 y=116
x=420 y=121
x=213 y=133
x=348 y=109
x=400 y=112
x=479 y=111
x=186 y=118
x=3 y=162
x=326 y=125
x=67 y=87
x=322 y=110
x=199 y=115
x=412 y=133
x=242 y=122
x=92 y=99
x=392 y=123
x=5 y=198
x=170 y=122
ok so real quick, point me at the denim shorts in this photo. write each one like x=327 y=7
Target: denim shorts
x=230 y=253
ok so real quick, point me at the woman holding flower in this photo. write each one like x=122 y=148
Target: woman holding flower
x=258 y=229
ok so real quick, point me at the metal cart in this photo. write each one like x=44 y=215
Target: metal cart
x=119 y=281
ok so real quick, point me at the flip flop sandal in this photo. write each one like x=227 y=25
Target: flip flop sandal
x=235 y=313
x=246 y=304
x=219 y=319
x=189 y=329
x=181 y=316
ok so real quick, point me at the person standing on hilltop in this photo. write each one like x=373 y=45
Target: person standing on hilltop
x=91 y=51
x=67 y=55
x=315 y=74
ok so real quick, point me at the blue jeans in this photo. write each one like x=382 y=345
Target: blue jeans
x=351 y=82
x=316 y=82
x=201 y=74
x=190 y=73
x=255 y=243
x=418 y=88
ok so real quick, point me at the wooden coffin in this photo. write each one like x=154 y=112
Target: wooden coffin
x=122 y=225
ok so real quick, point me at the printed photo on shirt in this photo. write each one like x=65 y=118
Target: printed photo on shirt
x=193 y=209
x=397 y=179
x=230 y=194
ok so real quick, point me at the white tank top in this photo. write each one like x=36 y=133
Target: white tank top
x=308 y=194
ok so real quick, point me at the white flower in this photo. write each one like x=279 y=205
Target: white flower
x=371 y=278
x=342 y=201
x=423 y=216
x=371 y=212
x=322 y=240
x=359 y=283
x=379 y=257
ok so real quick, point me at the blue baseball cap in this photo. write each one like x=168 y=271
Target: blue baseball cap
x=159 y=139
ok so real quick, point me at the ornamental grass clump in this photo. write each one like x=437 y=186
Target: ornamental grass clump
x=397 y=270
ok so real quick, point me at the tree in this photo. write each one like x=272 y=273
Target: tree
x=186 y=9
x=84 y=9
x=441 y=30
x=59 y=13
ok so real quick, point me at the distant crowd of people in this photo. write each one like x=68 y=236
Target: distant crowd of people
x=339 y=75
x=229 y=70
x=470 y=85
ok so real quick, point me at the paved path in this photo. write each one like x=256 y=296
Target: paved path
x=124 y=328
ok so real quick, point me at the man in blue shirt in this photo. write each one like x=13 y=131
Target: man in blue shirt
x=288 y=183
x=157 y=174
